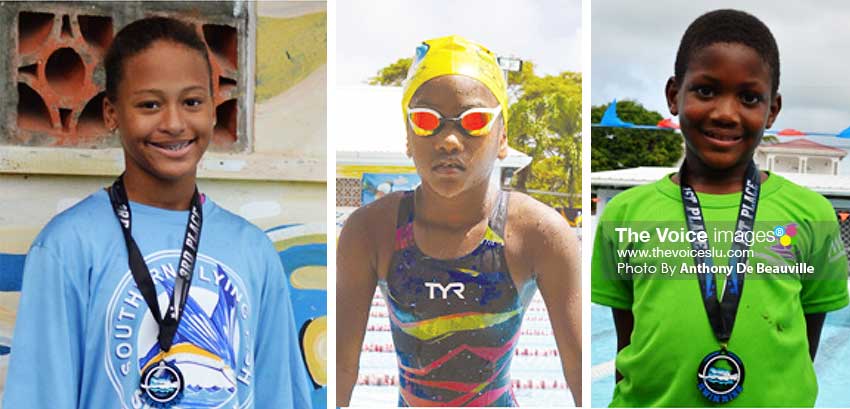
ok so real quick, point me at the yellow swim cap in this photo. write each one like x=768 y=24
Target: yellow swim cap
x=455 y=55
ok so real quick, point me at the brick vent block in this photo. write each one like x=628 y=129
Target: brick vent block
x=57 y=69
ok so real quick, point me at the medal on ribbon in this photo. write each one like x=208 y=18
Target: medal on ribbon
x=720 y=375
x=162 y=382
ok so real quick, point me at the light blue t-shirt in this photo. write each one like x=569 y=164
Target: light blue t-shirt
x=84 y=333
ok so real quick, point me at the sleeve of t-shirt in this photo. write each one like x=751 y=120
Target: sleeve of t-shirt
x=607 y=287
x=281 y=375
x=826 y=288
x=47 y=348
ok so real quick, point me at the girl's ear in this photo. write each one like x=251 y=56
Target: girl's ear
x=503 y=143
x=671 y=91
x=110 y=117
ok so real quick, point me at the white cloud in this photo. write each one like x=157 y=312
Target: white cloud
x=634 y=45
x=372 y=34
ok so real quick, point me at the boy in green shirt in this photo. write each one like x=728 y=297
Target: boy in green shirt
x=745 y=335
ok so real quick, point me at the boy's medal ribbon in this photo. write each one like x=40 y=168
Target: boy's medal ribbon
x=720 y=376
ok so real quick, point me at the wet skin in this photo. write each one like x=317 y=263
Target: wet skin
x=450 y=162
x=724 y=104
x=456 y=198
x=165 y=116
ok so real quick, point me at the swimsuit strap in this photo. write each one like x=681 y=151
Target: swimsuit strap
x=404 y=222
x=405 y=210
x=499 y=217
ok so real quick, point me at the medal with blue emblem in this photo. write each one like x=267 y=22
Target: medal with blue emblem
x=720 y=375
x=162 y=382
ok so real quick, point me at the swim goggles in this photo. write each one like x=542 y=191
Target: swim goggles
x=473 y=122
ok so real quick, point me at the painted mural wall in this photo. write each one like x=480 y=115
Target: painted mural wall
x=276 y=179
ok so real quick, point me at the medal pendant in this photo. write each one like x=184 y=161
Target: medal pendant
x=720 y=377
x=162 y=384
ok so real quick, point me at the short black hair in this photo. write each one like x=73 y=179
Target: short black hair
x=729 y=26
x=139 y=36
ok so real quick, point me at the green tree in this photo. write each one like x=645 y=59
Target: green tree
x=546 y=125
x=393 y=74
x=619 y=148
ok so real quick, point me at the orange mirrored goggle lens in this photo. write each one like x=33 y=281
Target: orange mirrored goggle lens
x=476 y=121
x=425 y=121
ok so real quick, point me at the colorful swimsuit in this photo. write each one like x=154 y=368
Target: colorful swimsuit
x=455 y=323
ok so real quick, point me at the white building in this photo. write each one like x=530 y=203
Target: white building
x=799 y=156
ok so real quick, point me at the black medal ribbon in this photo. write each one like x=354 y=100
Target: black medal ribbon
x=169 y=322
x=721 y=314
x=720 y=375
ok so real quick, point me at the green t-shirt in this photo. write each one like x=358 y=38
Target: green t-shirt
x=672 y=333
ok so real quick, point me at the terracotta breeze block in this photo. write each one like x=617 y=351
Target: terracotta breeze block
x=55 y=79
x=58 y=72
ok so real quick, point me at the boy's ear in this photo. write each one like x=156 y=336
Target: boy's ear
x=110 y=117
x=775 y=107
x=671 y=91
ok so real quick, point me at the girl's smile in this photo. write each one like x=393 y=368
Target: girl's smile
x=164 y=112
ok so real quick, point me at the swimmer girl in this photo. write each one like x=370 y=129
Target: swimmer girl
x=457 y=259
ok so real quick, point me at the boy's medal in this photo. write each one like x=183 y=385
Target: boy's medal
x=720 y=375
x=161 y=382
